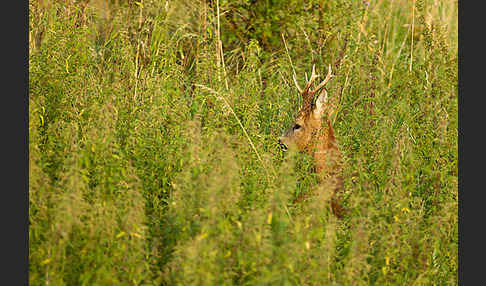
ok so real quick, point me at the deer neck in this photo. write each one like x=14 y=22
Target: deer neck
x=323 y=149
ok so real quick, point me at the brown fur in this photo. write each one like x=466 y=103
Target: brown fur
x=309 y=134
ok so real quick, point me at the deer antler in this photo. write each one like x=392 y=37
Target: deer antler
x=311 y=80
x=323 y=83
x=306 y=94
x=296 y=84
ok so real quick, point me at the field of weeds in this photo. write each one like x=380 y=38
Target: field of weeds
x=153 y=142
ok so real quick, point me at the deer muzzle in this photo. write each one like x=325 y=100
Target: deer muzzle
x=281 y=143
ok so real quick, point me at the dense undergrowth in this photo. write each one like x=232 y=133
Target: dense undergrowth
x=153 y=148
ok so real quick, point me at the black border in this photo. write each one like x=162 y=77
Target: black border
x=15 y=101
x=470 y=161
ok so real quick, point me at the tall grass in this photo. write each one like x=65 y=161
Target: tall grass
x=153 y=149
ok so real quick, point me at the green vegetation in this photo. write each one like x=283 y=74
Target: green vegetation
x=154 y=157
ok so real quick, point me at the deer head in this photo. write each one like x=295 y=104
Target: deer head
x=307 y=132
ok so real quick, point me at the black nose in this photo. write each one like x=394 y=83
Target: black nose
x=282 y=145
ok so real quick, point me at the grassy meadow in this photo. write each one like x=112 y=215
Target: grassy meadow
x=153 y=153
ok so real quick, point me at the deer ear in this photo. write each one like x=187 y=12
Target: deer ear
x=321 y=102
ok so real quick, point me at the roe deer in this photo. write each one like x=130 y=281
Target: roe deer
x=309 y=134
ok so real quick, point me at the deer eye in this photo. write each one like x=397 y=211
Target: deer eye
x=296 y=126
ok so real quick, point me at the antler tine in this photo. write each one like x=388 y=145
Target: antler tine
x=296 y=84
x=323 y=83
x=312 y=78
